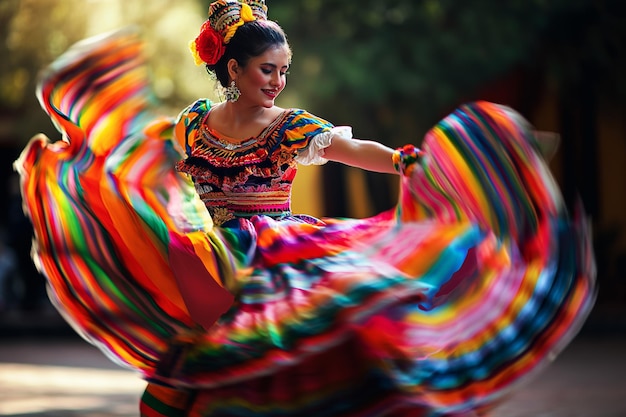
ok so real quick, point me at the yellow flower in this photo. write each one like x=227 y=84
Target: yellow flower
x=246 y=13
x=194 y=51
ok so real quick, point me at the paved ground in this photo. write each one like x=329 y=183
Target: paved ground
x=68 y=378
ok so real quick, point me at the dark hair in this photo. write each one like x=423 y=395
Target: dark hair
x=250 y=40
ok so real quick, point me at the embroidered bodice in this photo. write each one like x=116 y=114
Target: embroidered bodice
x=250 y=177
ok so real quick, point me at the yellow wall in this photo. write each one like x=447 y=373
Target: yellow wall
x=306 y=194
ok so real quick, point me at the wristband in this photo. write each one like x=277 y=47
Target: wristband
x=404 y=159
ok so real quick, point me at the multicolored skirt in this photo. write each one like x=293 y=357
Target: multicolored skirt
x=441 y=306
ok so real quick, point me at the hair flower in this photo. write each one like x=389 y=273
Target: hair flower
x=208 y=47
x=225 y=17
x=246 y=13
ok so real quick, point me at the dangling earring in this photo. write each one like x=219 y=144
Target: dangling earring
x=232 y=93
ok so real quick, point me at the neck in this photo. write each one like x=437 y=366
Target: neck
x=241 y=121
x=238 y=113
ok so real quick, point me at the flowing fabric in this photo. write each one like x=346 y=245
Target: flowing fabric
x=473 y=283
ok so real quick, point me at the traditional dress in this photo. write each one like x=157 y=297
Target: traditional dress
x=174 y=250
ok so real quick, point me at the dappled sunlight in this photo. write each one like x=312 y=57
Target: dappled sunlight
x=33 y=390
x=587 y=380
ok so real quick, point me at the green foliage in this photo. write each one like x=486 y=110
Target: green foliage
x=407 y=47
x=390 y=69
x=33 y=34
x=378 y=62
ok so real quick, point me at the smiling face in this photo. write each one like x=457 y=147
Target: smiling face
x=264 y=76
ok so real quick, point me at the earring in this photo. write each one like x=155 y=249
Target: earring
x=232 y=93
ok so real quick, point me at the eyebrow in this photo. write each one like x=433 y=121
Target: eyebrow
x=274 y=65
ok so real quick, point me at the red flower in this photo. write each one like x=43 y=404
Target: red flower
x=209 y=44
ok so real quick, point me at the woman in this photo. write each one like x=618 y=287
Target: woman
x=251 y=64
x=229 y=304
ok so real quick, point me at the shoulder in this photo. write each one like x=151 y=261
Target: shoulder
x=188 y=122
x=301 y=127
x=195 y=110
x=306 y=123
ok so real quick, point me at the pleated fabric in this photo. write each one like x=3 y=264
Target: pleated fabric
x=473 y=283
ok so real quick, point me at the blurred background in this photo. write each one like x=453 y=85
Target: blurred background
x=389 y=69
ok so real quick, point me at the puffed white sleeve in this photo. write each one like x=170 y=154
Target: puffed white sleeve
x=314 y=153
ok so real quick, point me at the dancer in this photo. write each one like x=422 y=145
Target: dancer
x=170 y=242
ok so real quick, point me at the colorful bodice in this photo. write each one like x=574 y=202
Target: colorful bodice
x=247 y=178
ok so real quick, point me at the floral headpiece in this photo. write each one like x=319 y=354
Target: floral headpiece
x=225 y=16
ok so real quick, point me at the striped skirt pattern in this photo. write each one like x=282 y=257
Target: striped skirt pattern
x=441 y=306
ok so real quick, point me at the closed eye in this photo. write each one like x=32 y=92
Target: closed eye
x=270 y=67
x=268 y=72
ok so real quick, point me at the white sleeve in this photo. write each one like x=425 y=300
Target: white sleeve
x=314 y=153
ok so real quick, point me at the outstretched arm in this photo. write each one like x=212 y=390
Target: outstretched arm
x=364 y=154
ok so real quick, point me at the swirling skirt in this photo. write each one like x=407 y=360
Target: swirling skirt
x=441 y=306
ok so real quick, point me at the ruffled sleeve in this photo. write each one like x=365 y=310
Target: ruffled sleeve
x=187 y=123
x=314 y=153
x=308 y=135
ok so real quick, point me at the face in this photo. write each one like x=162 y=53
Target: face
x=264 y=77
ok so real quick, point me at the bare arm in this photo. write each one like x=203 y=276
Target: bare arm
x=364 y=154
